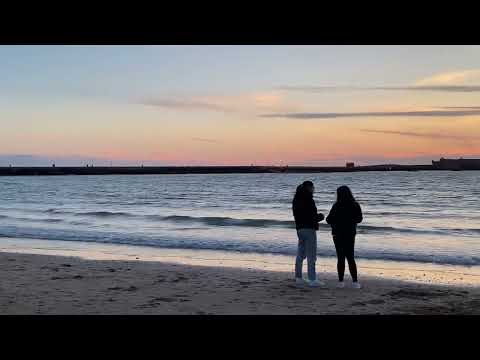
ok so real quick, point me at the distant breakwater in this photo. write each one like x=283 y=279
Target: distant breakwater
x=152 y=170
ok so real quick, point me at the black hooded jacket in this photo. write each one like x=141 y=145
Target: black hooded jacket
x=305 y=211
x=344 y=217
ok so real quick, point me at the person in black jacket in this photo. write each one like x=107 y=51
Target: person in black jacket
x=344 y=216
x=306 y=223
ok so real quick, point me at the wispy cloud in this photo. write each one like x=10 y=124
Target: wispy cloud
x=213 y=141
x=439 y=88
x=461 y=107
x=420 y=134
x=451 y=77
x=333 y=115
x=453 y=81
x=184 y=104
x=245 y=102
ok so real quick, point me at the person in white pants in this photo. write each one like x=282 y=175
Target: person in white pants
x=306 y=223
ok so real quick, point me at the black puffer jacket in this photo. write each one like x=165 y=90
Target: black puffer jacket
x=305 y=211
x=344 y=218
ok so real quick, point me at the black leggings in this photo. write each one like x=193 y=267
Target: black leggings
x=344 y=245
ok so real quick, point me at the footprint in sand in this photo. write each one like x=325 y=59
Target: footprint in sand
x=155 y=302
x=415 y=294
x=369 y=302
x=162 y=299
x=131 y=288
x=358 y=304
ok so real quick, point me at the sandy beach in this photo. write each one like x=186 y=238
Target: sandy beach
x=179 y=283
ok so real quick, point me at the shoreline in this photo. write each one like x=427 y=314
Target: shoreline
x=416 y=272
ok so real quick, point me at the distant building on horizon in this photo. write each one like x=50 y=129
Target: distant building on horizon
x=350 y=165
x=456 y=164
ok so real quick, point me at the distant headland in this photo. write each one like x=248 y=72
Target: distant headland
x=442 y=164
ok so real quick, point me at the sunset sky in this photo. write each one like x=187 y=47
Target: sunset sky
x=238 y=105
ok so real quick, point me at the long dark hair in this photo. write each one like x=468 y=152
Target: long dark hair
x=344 y=195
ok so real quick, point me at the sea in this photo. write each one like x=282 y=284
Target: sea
x=411 y=216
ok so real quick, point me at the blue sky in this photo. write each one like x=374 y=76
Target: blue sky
x=57 y=69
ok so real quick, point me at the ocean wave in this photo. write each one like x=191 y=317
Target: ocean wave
x=79 y=223
x=44 y=220
x=51 y=211
x=89 y=213
x=50 y=220
x=362 y=229
x=105 y=214
x=231 y=245
x=228 y=221
x=225 y=221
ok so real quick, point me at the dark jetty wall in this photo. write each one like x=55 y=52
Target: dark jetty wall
x=146 y=170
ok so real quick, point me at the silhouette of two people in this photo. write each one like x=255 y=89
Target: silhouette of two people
x=344 y=216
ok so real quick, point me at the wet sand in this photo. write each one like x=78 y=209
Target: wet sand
x=47 y=284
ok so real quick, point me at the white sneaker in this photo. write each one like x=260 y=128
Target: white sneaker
x=316 y=283
x=356 y=285
x=340 y=285
x=299 y=281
